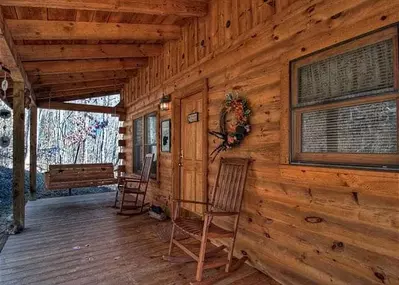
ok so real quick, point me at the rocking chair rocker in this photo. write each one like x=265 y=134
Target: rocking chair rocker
x=137 y=187
x=226 y=202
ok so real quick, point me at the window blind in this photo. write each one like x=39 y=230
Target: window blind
x=368 y=128
x=359 y=72
x=137 y=144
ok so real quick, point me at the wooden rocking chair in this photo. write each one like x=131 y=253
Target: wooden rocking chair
x=137 y=187
x=121 y=175
x=226 y=201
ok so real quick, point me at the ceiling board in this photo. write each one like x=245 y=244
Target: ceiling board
x=185 y=8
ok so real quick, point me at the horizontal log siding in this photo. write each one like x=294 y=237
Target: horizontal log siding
x=356 y=241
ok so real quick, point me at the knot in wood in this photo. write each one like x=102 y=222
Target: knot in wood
x=337 y=246
x=314 y=220
x=380 y=276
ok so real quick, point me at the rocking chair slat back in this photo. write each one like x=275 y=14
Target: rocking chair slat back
x=136 y=187
x=229 y=186
x=145 y=174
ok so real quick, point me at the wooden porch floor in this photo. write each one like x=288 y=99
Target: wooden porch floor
x=80 y=240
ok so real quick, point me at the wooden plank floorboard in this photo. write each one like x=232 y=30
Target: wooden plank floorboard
x=111 y=249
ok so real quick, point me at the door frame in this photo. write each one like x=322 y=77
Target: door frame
x=199 y=86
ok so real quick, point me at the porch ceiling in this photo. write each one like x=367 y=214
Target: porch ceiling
x=74 y=49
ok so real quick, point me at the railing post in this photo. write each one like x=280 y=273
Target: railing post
x=18 y=158
x=33 y=153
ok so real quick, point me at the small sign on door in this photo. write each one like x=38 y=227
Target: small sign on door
x=193 y=117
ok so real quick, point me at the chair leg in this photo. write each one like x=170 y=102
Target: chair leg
x=121 y=202
x=201 y=260
x=142 y=203
x=116 y=197
x=231 y=251
x=201 y=257
x=230 y=256
x=171 y=240
x=137 y=199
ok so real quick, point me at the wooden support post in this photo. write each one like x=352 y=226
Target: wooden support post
x=18 y=158
x=33 y=152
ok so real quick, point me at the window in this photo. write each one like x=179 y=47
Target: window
x=150 y=141
x=344 y=104
x=144 y=142
x=137 y=145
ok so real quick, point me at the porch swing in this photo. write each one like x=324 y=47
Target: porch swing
x=71 y=176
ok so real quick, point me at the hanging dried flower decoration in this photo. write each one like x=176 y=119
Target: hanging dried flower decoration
x=4 y=141
x=234 y=123
x=5 y=114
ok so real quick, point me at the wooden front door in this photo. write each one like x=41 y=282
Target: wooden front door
x=191 y=153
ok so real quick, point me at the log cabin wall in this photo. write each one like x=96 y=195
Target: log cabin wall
x=245 y=46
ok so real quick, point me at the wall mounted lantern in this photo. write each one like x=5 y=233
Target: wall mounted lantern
x=165 y=103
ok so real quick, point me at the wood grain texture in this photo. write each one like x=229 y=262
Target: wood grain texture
x=184 y=8
x=130 y=251
x=82 y=86
x=191 y=156
x=68 y=52
x=18 y=165
x=79 y=94
x=80 y=107
x=281 y=29
x=9 y=55
x=51 y=79
x=300 y=224
x=64 y=30
x=89 y=65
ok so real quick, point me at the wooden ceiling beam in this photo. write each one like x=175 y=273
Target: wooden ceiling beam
x=84 y=96
x=90 y=65
x=117 y=83
x=45 y=80
x=80 y=107
x=68 y=52
x=64 y=30
x=78 y=94
x=184 y=8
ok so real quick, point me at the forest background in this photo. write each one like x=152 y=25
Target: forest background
x=64 y=137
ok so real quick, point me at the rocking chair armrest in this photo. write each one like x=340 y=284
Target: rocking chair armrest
x=190 y=201
x=129 y=179
x=221 y=214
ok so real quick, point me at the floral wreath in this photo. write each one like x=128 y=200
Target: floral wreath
x=232 y=130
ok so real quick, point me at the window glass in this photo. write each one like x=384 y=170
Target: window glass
x=151 y=139
x=137 y=145
x=367 y=128
x=344 y=103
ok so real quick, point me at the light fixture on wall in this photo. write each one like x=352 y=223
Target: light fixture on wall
x=4 y=83
x=165 y=103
